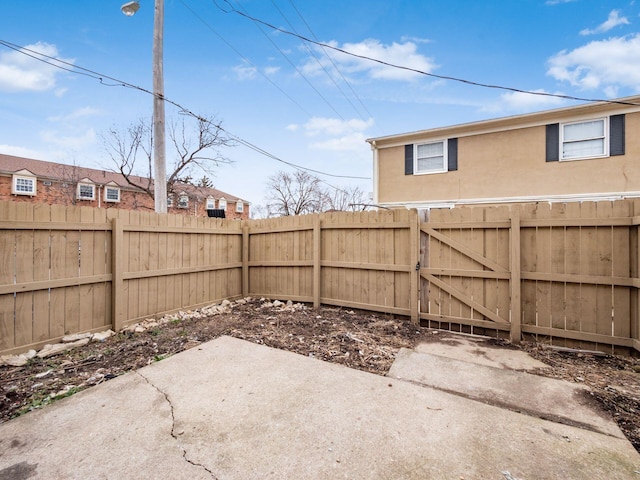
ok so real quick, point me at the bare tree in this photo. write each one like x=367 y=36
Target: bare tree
x=124 y=146
x=197 y=146
x=295 y=193
x=350 y=198
x=299 y=193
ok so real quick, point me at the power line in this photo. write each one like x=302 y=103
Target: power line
x=206 y=24
x=315 y=57
x=421 y=72
x=331 y=60
x=293 y=65
x=73 y=68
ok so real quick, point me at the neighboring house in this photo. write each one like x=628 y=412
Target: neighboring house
x=584 y=152
x=28 y=180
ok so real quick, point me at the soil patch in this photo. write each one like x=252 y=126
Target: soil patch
x=357 y=339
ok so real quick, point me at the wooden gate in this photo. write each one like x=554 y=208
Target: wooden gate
x=564 y=272
x=468 y=277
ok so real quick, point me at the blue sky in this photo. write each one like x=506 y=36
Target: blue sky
x=306 y=105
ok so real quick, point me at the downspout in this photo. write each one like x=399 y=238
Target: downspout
x=99 y=195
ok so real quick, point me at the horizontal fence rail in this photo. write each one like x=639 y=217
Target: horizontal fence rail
x=564 y=273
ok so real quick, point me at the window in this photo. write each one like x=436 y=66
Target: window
x=23 y=185
x=86 y=191
x=584 y=139
x=430 y=157
x=239 y=207
x=170 y=201
x=222 y=204
x=211 y=203
x=183 y=201
x=111 y=194
x=593 y=138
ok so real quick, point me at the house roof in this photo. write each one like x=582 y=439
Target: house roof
x=59 y=171
x=620 y=105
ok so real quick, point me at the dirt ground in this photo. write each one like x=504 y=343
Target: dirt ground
x=362 y=340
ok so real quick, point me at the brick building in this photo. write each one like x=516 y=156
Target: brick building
x=28 y=180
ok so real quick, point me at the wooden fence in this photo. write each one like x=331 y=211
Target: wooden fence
x=66 y=270
x=567 y=273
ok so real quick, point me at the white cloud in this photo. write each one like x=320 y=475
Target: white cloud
x=524 y=102
x=557 y=2
x=76 y=114
x=84 y=139
x=271 y=70
x=19 y=72
x=245 y=72
x=335 y=126
x=613 y=21
x=605 y=64
x=352 y=142
x=20 y=151
x=335 y=134
x=404 y=54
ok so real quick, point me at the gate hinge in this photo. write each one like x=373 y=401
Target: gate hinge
x=418 y=267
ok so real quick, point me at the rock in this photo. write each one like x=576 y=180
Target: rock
x=102 y=336
x=226 y=303
x=289 y=303
x=43 y=374
x=241 y=301
x=14 y=360
x=75 y=337
x=30 y=354
x=248 y=299
x=277 y=303
x=139 y=329
x=50 y=350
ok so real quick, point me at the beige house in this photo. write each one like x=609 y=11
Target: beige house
x=584 y=152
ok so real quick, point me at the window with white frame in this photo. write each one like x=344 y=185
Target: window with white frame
x=430 y=157
x=86 y=191
x=222 y=204
x=584 y=139
x=211 y=203
x=183 y=201
x=239 y=207
x=23 y=185
x=111 y=194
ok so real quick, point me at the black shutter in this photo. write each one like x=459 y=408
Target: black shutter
x=408 y=159
x=616 y=135
x=553 y=142
x=452 y=154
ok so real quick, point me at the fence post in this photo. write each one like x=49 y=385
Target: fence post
x=117 y=283
x=245 y=259
x=515 y=280
x=414 y=285
x=317 y=259
x=634 y=250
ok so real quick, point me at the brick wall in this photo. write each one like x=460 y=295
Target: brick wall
x=65 y=193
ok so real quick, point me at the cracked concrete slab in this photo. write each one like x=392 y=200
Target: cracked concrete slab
x=119 y=429
x=230 y=409
x=549 y=398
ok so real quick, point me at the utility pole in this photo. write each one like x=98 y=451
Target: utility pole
x=159 y=146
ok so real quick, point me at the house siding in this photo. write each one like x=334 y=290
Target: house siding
x=508 y=164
